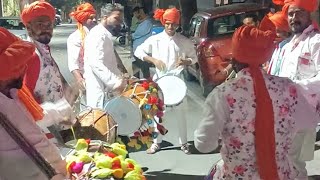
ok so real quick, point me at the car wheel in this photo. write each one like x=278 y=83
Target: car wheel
x=205 y=87
x=188 y=76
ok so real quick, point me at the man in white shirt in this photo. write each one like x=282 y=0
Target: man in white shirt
x=85 y=15
x=301 y=63
x=166 y=50
x=100 y=63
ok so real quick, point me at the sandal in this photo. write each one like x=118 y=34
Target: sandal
x=185 y=148
x=153 y=149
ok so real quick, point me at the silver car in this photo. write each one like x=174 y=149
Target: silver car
x=15 y=26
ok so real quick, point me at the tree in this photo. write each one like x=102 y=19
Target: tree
x=188 y=9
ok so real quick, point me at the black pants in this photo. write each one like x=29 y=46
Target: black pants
x=144 y=67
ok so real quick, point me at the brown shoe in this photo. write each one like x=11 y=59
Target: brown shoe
x=185 y=148
x=153 y=149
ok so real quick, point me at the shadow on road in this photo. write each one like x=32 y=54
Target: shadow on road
x=164 y=175
x=315 y=177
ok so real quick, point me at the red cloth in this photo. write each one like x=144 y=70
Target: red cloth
x=251 y=46
x=308 y=5
x=14 y=56
x=280 y=20
x=83 y=12
x=36 y=9
x=172 y=15
x=32 y=73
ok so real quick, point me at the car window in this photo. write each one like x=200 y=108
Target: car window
x=227 y=24
x=13 y=24
x=195 y=27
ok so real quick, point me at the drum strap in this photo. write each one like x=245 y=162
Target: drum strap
x=29 y=149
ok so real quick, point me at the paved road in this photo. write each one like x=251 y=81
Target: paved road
x=170 y=163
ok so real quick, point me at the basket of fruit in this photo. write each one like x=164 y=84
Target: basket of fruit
x=93 y=160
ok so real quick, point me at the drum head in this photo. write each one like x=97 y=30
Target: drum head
x=173 y=88
x=126 y=113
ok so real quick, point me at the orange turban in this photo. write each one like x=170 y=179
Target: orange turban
x=14 y=55
x=172 y=15
x=36 y=9
x=250 y=45
x=278 y=2
x=83 y=12
x=308 y=5
x=280 y=20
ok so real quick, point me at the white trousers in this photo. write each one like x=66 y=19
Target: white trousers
x=180 y=117
x=302 y=150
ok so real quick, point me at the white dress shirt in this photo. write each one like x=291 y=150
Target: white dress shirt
x=100 y=65
x=167 y=49
x=74 y=47
x=302 y=64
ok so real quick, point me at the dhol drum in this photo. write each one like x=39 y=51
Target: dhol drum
x=94 y=123
x=135 y=111
x=174 y=89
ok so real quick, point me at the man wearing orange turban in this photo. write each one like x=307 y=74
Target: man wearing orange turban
x=43 y=77
x=85 y=15
x=280 y=21
x=18 y=105
x=301 y=59
x=255 y=114
x=169 y=51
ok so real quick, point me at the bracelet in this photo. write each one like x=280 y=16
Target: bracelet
x=226 y=71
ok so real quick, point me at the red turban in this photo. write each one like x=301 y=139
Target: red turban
x=278 y=2
x=172 y=15
x=83 y=12
x=250 y=45
x=14 y=55
x=36 y=9
x=280 y=20
x=308 y=5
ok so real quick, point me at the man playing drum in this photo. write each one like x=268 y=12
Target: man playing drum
x=169 y=51
x=100 y=63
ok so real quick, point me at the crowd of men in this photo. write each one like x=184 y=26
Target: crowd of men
x=265 y=117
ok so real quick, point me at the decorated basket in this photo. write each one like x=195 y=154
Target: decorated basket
x=99 y=160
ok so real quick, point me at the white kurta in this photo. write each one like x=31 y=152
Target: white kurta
x=75 y=50
x=230 y=114
x=168 y=49
x=100 y=65
x=301 y=63
x=14 y=163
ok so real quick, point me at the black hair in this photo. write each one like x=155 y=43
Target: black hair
x=253 y=16
x=137 y=8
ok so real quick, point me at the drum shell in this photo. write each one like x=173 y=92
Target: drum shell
x=95 y=124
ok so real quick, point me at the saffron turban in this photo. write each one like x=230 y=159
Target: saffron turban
x=280 y=20
x=14 y=55
x=83 y=12
x=308 y=5
x=278 y=2
x=172 y=15
x=251 y=46
x=37 y=9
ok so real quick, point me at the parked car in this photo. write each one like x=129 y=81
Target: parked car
x=15 y=26
x=211 y=31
